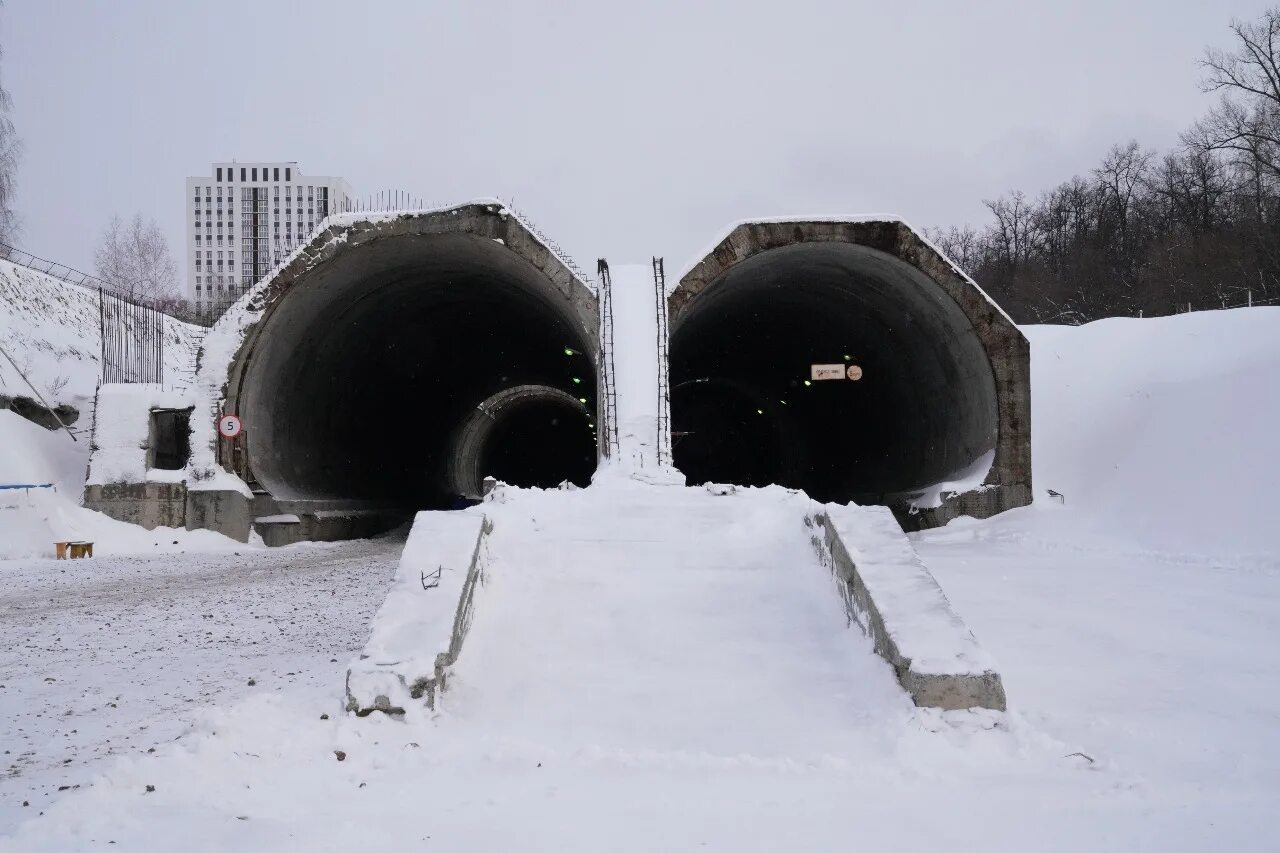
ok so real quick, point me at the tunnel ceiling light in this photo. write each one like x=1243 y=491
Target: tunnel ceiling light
x=848 y=357
x=582 y=400
x=577 y=381
x=759 y=411
x=807 y=383
x=571 y=351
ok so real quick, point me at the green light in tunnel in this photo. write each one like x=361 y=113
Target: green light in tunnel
x=848 y=357
x=577 y=381
x=759 y=411
x=582 y=400
x=570 y=351
x=807 y=383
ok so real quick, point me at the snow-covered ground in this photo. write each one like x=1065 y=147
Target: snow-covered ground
x=114 y=656
x=615 y=695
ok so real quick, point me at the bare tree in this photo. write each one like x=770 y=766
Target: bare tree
x=1012 y=233
x=134 y=258
x=1246 y=122
x=10 y=149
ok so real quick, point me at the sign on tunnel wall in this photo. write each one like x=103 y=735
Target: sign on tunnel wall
x=818 y=372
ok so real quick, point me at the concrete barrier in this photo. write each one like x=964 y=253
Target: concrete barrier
x=419 y=630
x=893 y=597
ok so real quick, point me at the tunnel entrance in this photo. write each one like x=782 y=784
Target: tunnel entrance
x=745 y=408
x=532 y=435
x=360 y=381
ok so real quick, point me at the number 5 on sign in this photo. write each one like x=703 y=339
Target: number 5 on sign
x=229 y=426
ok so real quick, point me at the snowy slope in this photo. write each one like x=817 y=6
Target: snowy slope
x=1164 y=431
x=52 y=330
x=625 y=618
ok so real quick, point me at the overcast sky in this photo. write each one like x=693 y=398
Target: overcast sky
x=622 y=129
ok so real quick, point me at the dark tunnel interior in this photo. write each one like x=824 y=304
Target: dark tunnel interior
x=745 y=409
x=366 y=371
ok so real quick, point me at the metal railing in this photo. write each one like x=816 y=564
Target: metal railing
x=608 y=383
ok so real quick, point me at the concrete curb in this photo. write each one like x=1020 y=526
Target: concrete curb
x=888 y=591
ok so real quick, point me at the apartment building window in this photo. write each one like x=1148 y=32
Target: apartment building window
x=197 y=239
x=197 y=260
x=219 y=178
x=231 y=263
x=288 y=174
x=276 y=173
x=242 y=173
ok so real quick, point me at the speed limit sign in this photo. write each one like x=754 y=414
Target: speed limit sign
x=229 y=426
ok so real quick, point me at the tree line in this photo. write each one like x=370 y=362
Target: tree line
x=1196 y=228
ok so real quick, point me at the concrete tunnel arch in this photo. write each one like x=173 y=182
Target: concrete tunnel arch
x=375 y=349
x=946 y=374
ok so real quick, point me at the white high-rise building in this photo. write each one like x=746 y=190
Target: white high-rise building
x=244 y=218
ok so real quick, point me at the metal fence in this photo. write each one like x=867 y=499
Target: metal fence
x=48 y=267
x=132 y=340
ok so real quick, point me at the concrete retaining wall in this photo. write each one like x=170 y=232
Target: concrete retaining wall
x=419 y=630
x=893 y=597
x=150 y=505
x=225 y=511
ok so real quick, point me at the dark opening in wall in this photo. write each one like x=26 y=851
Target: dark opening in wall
x=170 y=438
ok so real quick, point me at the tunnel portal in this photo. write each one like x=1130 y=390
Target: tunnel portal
x=942 y=389
x=422 y=354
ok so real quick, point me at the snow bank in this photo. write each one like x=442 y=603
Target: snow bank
x=32 y=520
x=419 y=629
x=1162 y=431
x=895 y=599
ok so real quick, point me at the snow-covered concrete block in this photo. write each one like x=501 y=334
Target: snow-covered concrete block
x=895 y=599
x=419 y=630
x=122 y=434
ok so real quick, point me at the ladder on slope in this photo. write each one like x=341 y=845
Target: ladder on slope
x=664 y=379
x=608 y=439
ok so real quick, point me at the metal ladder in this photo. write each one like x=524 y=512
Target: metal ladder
x=664 y=378
x=608 y=383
